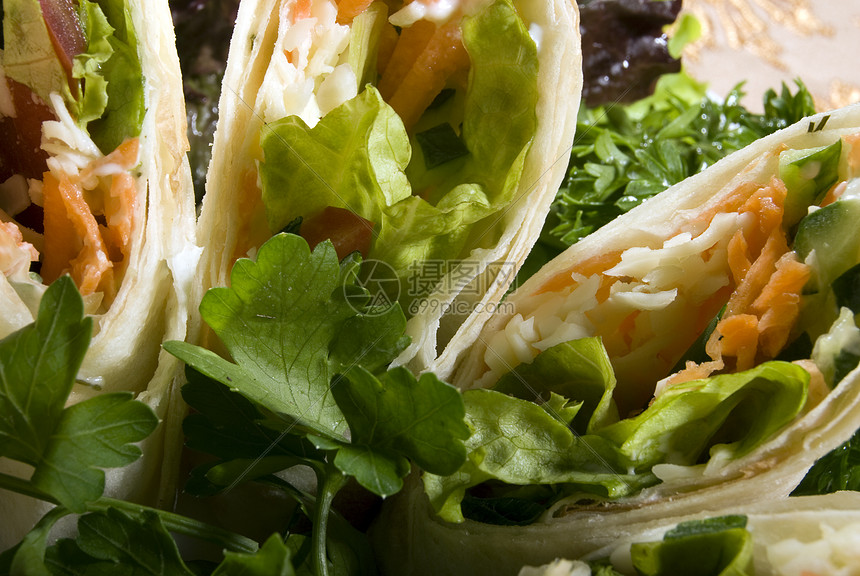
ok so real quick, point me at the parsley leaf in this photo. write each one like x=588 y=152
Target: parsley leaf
x=272 y=559
x=66 y=446
x=38 y=366
x=626 y=154
x=308 y=383
x=112 y=541
x=406 y=418
x=278 y=320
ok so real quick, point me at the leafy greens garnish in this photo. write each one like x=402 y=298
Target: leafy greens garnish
x=837 y=470
x=625 y=154
x=66 y=446
x=308 y=383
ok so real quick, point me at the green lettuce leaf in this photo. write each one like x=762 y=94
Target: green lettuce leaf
x=577 y=370
x=738 y=411
x=87 y=67
x=106 y=98
x=518 y=442
x=358 y=156
x=125 y=107
x=575 y=442
x=28 y=54
x=353 y=158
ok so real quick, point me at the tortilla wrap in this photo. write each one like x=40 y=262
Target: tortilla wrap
x=639 y=252
x=807 y=534
x=152 y=288
x=262 y=87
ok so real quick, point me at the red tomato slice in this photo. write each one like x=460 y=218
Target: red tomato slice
x=348 y=231
x=65 y=30
x=21 y=137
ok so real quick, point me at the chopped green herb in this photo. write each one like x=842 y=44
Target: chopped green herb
x=440 y=144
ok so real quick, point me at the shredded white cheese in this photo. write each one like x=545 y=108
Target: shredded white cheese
x=437 y=11
x=660 y=284
x=307 y=53
x=69 y=147
x=835 y=553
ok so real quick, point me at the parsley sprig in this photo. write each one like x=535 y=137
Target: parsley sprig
x=625 y=154
x=307 y=382
x=68 y=446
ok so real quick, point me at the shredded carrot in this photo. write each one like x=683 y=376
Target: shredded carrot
x=834 y=193
x=594 y=265
x=302 y=10
x=74 y=240
x=691 y=372
x=443 y=56
x=119 y=211
x=738 y=256
x=125 y=155
x=410 y=45
x=15 y=254
x=349 y=9
x=628 y=327
x=90 y=266
x=254 y=230
x=387 y=42
x=767 y=205
x=778 y=305
x=765 y=302
x=61 y=241
x=730 y=203
x=738 y=336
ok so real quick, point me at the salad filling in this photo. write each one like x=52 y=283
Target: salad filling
x=401 y=131
x=672 y=356
x=71 y=114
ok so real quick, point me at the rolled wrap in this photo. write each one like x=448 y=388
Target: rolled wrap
x=150 y=298
x=636 y=259
x=291 y=60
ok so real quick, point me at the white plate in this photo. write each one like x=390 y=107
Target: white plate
x=767 y=42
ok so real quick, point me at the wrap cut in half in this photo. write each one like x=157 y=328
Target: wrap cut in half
x=803 y=535
x=698 y=351
x=96 y=185
x=428 y=136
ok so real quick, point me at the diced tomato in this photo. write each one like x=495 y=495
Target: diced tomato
x=348 y=231
x=21 y=136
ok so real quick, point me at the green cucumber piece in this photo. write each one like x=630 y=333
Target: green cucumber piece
x=808 y=175
x=833 y=232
